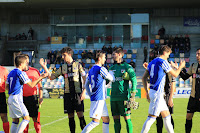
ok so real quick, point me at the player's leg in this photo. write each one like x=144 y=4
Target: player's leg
x=105 y=118
x=96 y=110
x=125 y=111
x=3 y=112
x=147 y=124
x=167 y=121
x=191 y=108
x=188 y=124
x=116 y=116
x=171 y=112
x=80 y=112
x=4 y=119
x=37 y=125
x=23 y=124
x=159 y=124
x=14 y=125
x=69 y=109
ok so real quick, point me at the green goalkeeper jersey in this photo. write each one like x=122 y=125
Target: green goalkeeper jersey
x=120 y=90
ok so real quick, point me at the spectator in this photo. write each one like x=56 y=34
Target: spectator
x=23 y=37
x=84 y=55
x=187 y=47
x=18 y=37
x=52 y=59
x=161 y=32
x=114 y=48
x=145 y=54
x=104 y=48
x=58 y=59
x=49 y=55
x=109 y=50
x=176 y=50
x=120 y=47
x=30 y=33
x=90 y=54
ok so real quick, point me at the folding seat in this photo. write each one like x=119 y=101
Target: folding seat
x=129 y=52
x=157 y=41
x=176 y=59
x=187 y=64
x=57 y=66
x=162 y=41
x=75 y=51
x=112 y=61
x=128 y=56
x=171 y=55
x=92 y=61
x=187 y=55
x=88 y=60
x=152 y=41
x=52 y=65
x=134 y=56
x=80 y=51
x=187 y=59
x=157 y=37
x=125 y=51
x=171 y=59
x=152 y=46
x=79 y=56
x=125 y=56
x=108 y=60
x=134 y=60
x=134 y=51
x=181 y=55
x=128 y=60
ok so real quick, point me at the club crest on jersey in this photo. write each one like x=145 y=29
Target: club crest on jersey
x=123 y=71
x=66 y=75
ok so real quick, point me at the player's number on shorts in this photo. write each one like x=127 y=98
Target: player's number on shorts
x=152 y=71
x=11 y=80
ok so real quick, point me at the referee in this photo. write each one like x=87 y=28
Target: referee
x=74 y=92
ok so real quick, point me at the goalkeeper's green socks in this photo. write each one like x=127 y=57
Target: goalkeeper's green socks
x=117 y=125
x=129 y=126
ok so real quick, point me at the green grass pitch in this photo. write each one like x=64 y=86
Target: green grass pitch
x=53 y=120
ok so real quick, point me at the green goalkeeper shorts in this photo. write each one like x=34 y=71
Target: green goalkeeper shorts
x=119 y=108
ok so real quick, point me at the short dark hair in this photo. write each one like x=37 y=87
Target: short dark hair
x=164 y=48
x=119 y=50
x=198 y=49
x=26 y=55
x=19 y=60
x=98 y=54
x=67 y=50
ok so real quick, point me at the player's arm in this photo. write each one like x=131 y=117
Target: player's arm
x=107 y=75
x=173 y=72
x=87 y=87
x=35 y=82
x=173 y=84
x=184 y=74
x=83 y=75
x=43 y=63
x=133 y=79
x=144 y=81
x=40 y=93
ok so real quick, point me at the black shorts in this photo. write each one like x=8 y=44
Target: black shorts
x=193 y=105
x=171 y=109
x=3 y=104
x=72 y=103
x=32 y=105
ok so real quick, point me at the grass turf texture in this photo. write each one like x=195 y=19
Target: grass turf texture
x=53 y=120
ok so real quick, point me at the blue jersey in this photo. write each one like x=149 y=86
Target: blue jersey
x=157 y=70
x=96 y=77
x=16 y=78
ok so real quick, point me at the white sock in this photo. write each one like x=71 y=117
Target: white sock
x=90 y=126
x=13 y=128
x=22 y=126
x=146 y=127
x=105 y=127
x=168 y=124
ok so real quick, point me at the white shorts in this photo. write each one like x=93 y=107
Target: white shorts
x=98 y=109
x=16 y=106
x=157 y=103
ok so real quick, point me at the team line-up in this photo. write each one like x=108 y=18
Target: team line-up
x=23 y=82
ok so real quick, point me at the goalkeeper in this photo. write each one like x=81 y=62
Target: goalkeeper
x=120 y=91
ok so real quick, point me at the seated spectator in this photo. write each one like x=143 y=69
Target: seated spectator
x=182 y=46
x=176 y=39
x=49 y=55
x=58 y=59
x=156 y=47
x=18 y=37
x=41 y=71
x=52 y=59
x=176 y=49
x=109 y=50
x=114 y=48
x=187 y=47
x=182 y=40
x=187 y=37
x=50 y=70
x=23 y=37
x=120 y=47
x=104 y=48
x=90 y=54
x=84 y=55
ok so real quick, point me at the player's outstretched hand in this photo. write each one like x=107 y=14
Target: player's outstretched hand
x=182 y=64
x=43 y=62
x=145 y=65
x=175 y=65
